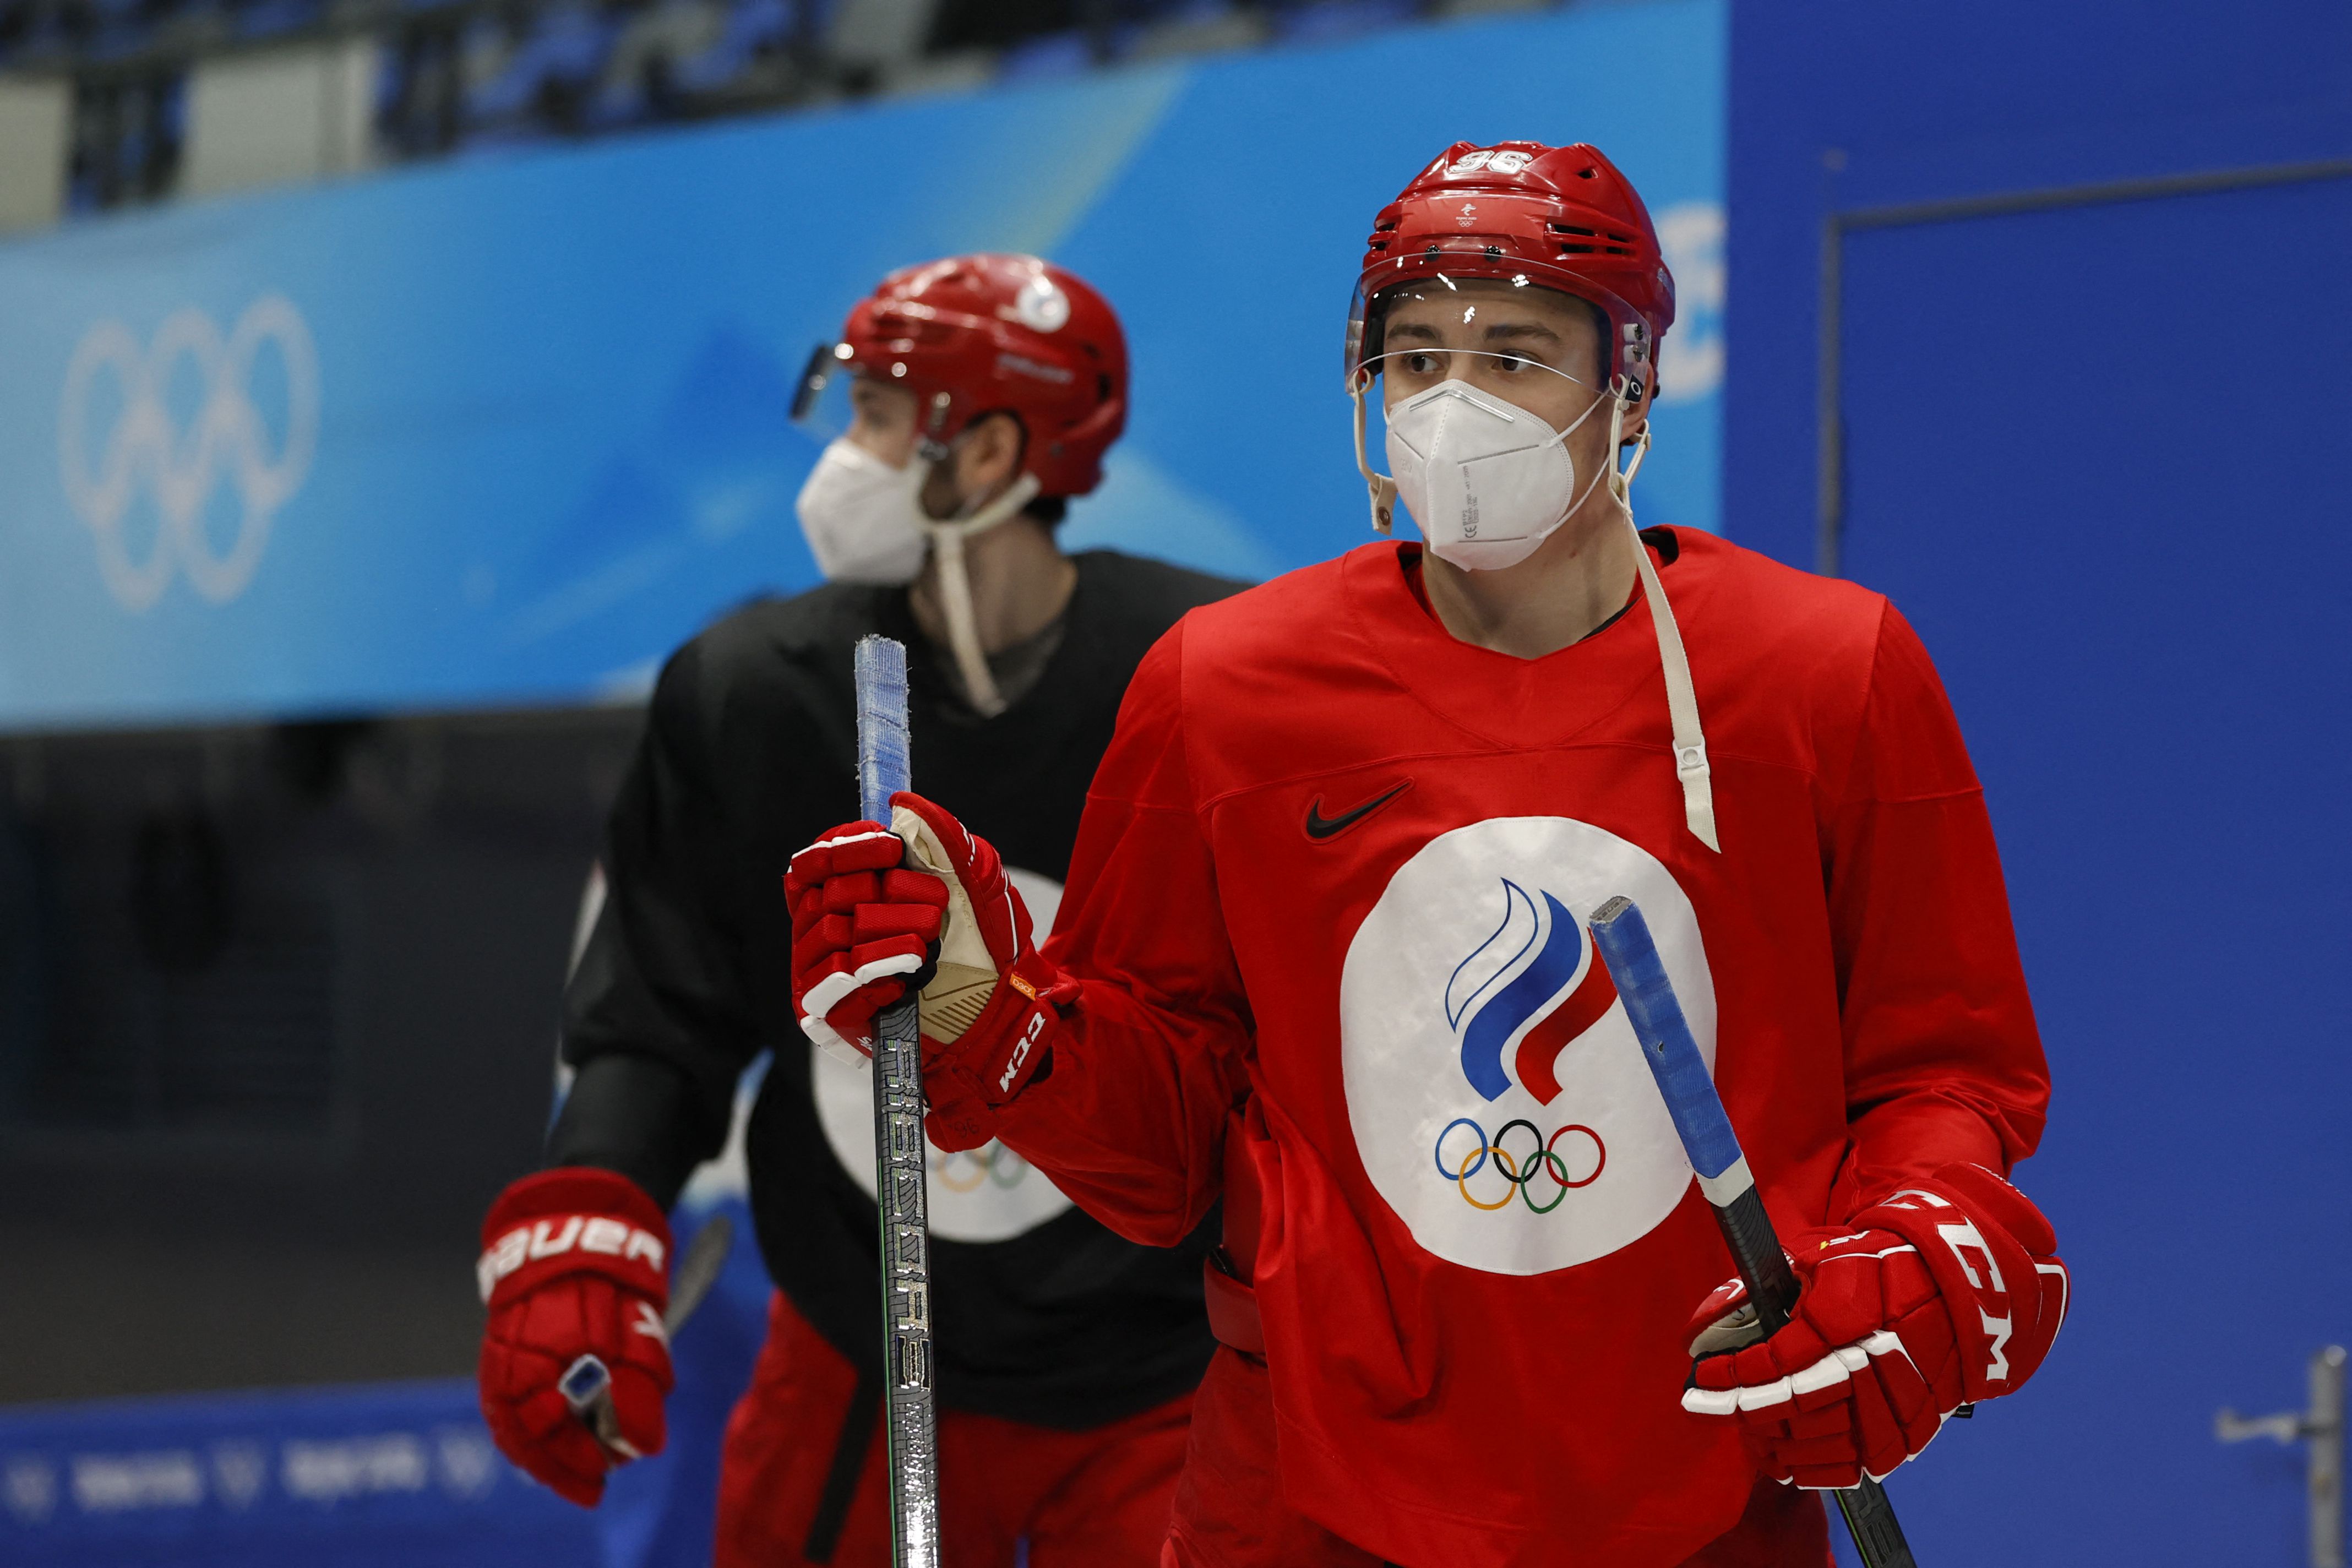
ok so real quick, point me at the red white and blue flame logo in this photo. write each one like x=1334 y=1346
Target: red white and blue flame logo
x=1515 y=1015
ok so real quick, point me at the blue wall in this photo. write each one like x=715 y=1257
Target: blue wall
x=548 y=392
x=2093 y=451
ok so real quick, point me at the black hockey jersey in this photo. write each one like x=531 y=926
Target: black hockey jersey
x=1042 y=1315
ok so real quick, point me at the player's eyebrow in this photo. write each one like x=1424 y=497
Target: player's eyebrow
x=1421 y=330
x=1507 y=329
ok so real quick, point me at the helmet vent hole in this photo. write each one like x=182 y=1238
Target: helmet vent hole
x=1569 y=228
x=1578 y=249
x=1584 y=173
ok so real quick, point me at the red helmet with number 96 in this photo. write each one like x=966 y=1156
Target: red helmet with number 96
x=1548 y=217
x=973 y=335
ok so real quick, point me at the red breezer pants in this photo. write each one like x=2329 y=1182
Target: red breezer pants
x=787 y=1495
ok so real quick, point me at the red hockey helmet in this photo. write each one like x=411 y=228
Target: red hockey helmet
x=1549 y=218
x=973 y=335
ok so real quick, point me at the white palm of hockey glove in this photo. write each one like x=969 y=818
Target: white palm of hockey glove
x=1946 y=1293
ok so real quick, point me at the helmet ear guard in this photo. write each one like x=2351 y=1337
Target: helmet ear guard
x=1098 y=430
x=1634 y=354
x=933 y=443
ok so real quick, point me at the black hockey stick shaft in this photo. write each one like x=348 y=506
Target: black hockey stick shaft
x=902 y=1157
x=1623 y=939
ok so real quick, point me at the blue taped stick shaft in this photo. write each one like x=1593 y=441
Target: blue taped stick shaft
x=882 y=760
x=1623 y=938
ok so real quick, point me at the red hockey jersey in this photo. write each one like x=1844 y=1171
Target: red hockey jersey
x=1327 y=913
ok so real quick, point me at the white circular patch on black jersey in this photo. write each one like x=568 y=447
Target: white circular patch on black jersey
x=989 y=1194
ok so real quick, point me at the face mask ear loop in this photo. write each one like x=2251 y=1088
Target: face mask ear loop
x=1382 y=488
x=955 y=591
x=1682 y=697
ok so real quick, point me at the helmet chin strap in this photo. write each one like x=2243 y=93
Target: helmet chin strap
x=955 y=589
x=1682 y=697
x=1382 y=488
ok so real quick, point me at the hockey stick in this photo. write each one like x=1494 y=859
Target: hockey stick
x=900 y=1155
x=587 y=1382
x=1623 y=939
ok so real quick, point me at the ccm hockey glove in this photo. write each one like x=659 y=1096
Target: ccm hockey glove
x=574 y=1263
x=1946 y=1293
x=924 y=902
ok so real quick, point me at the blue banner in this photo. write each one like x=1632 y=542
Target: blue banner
x=506 y=431
x=397 y=1476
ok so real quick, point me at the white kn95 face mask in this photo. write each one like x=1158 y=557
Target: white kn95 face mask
x=1487 y=481
x=864 y=519
x=864 y=524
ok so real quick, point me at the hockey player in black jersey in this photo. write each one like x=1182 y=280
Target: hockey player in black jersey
x=984 y=390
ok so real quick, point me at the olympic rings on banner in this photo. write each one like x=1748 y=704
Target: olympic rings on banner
x=1518 y=1172
x=145 y=450
x=991 y=1163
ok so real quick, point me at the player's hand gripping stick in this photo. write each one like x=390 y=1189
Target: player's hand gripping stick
x=587 y=1384
x=1623 y=939
x=900 y=1156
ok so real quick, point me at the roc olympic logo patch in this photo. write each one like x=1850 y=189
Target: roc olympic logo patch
x=1497 y=1095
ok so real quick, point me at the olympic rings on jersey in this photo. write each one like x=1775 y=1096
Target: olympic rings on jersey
x=146 y=450
x=991 y=1163
x=1518 y=1172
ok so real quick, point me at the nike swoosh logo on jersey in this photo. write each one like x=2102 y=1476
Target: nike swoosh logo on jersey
x=1319 y=827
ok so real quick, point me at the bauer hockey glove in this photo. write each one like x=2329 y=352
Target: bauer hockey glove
x=1946 y=1293
x=925 y=902
x=574 y=1263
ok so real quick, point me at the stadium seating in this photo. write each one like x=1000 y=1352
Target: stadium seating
x=460 y=75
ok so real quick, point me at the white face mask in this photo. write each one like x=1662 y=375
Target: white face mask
x=1487 y=481
x=864 y=519
x=864 y=524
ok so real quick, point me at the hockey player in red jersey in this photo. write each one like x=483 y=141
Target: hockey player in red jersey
x=1325 y=956
x=985 y=390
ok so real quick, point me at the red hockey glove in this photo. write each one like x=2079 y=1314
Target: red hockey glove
x=860 y=925
x=574 y=1263
x=862 y=921
x=1945 y=1293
